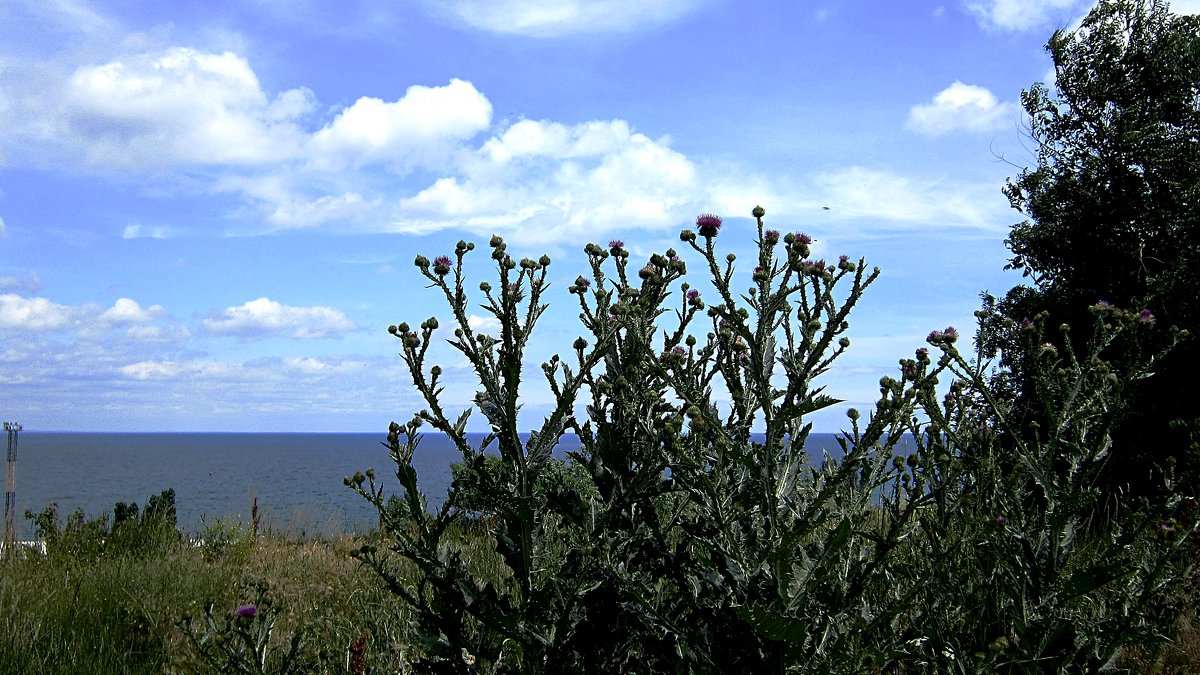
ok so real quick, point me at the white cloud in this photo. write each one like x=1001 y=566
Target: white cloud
x=32 y=313
x=265 y=317
x=125 y=310
x=962 y=107
x=30 y=283
x=486 y=324
x=551 y=181
x=136 y=231
x=1021 y=15
x=1 y=227
x=557 y=18
x=180 y=107
x=403 y=130
x=313 y=366
x=859 y=193
x=145 y=370
x=301 y=213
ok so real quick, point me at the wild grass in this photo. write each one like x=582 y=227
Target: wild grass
x=118 y=612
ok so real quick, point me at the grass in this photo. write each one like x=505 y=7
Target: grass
x=118 y=612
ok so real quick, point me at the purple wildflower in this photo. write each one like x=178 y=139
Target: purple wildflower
x=678 y=350
x=441 y=265
x=708 y=224
x=1026 y=324
x=616 y=243
x=802 y=238
x=693 y=295
x=246 y=611
x=922 y=354
x=771 y=237
x=1145 y=317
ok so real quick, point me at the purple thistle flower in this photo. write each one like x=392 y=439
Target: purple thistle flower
x=1145 y=317
x=678 y=350
x=802 y=238
x=693 y=294
x=950 y=334
x=441 y=265
x=616 y=243
x=708 y=224
x=1104 y=304
x=771 y=237
x=246 y=611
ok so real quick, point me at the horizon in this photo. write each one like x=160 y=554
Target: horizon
x=209 y=212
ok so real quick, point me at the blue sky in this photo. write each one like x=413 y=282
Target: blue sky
x=209 y=210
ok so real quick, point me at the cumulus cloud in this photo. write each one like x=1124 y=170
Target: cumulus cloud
x=183 y=107
x=487 y=324
x=962 y=107
x=549 y=180
x=125 y=311
x=404 y=130
x=35 y=314
x=557 y=18
x=265 y=317
x=1019 y=15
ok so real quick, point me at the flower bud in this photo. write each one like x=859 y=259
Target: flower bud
x=758 y=212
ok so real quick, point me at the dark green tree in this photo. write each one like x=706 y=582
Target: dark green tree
x=1113 y=207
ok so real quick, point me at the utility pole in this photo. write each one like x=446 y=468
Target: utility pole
x=10 y=494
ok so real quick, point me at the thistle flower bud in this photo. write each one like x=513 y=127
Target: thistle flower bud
x=495 y=241
x=758 y=212
x=421 y=262
x=687 y=236
x=579 y=343
x=544 y=261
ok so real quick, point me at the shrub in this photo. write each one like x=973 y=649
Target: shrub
x=696 y=537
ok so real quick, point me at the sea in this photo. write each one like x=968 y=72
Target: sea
x=295 y=479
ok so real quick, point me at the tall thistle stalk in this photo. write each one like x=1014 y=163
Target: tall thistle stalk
x=690 y=533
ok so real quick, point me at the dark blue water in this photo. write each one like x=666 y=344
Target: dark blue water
x=296 y=478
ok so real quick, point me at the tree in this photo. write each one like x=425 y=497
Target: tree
x=1113 y=205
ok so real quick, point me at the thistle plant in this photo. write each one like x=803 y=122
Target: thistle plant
x=690 y=533
x=241 y=641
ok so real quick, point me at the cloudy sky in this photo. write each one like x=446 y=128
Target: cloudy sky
x=209 y=210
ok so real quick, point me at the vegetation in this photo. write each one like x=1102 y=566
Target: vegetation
x=694 y=533
x=1112 y=205
x=689 y=532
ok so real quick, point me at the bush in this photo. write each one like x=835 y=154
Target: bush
x=696 y=537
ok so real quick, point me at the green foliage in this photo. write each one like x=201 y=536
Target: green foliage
x=1112 y=203
x=695 y=536
x=241 y=642
x=130 y=534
